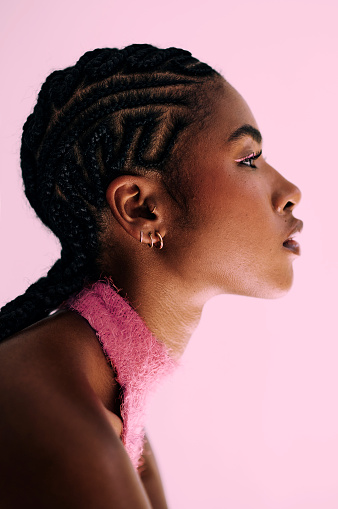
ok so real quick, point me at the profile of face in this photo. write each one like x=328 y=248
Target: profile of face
x=241 y=223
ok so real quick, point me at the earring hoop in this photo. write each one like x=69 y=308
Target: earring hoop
x=151 y=240
x=161 y=240
x=141 y=236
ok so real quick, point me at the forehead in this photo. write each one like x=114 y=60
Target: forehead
x=229 y=111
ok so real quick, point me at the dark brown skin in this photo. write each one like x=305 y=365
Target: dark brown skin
x=232 y=241
x=60 y=427
x=60 y=437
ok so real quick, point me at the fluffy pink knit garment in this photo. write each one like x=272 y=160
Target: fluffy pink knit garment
x=139 y=359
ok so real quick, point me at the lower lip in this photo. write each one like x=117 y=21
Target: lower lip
x=292 y=246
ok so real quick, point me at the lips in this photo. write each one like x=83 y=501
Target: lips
x=290 y=243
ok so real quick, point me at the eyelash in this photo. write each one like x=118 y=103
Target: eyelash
x=249 y=159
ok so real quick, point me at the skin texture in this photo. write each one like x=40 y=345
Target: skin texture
x=60 y=430
x=232 y=242
x=60 y=427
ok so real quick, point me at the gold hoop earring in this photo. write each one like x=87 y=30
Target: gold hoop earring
x=141 y=236
x=151 y=240
x=161 y=240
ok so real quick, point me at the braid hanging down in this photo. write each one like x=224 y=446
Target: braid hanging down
x=114 y=112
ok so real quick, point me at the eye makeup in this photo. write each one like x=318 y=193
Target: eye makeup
x=248 y=160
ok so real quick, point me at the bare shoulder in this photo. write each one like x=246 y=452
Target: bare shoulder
x=58 y=448
x=63 y=349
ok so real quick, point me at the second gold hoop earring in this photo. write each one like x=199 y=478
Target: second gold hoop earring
x=151 y=240
x=152 y=243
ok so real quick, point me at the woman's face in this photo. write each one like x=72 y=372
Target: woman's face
x=240 y=208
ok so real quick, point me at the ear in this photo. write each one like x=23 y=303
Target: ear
x=138 y=204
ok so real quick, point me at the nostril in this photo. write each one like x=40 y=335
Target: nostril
x=288 y=205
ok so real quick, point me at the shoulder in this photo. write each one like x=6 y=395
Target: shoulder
x=60 y=450
x=57 y=361
x=55 y=435
x=61 y=348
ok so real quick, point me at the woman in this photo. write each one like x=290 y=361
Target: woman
x=126 y=150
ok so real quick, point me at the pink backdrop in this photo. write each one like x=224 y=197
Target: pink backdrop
x=250 y=421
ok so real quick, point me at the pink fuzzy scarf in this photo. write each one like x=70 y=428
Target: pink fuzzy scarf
x=139 y=359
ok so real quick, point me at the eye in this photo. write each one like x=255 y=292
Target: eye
x=249 y=160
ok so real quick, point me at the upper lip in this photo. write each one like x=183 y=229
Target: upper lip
x=297 y=228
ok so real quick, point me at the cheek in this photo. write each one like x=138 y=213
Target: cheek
x=240 y=221
x=240 y=208
x=229 y=204
x=232 y=223
x=235 y=244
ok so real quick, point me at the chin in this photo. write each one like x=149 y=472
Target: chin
x=276 y=289
x=267 y=288
x=262 y=286
x=275 y=293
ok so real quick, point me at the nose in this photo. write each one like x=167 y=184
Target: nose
x=286 y=195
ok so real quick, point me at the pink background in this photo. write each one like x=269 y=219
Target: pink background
x=250 y=420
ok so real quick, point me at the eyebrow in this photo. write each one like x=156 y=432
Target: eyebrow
x=246 y=130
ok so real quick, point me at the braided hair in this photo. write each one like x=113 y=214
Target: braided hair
x=114 y=112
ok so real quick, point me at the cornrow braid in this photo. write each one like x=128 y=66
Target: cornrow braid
x=114 y=112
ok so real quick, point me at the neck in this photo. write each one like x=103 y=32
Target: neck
x=171 y=318
x=170 y=307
